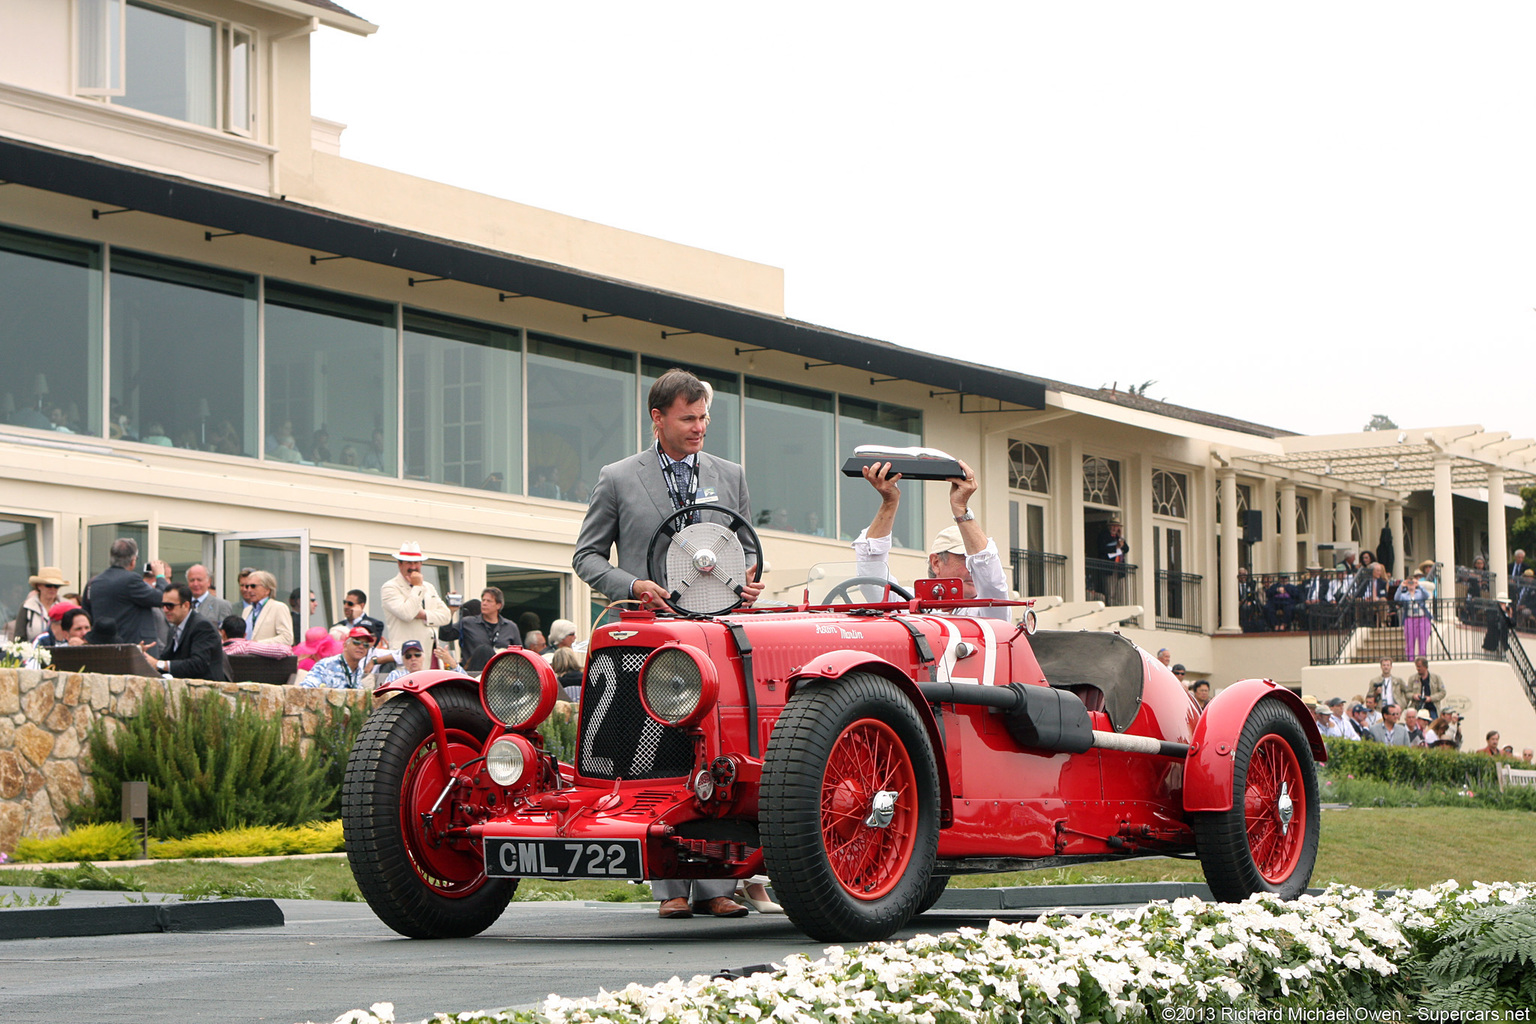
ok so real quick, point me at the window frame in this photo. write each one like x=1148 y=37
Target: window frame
x=225 y=34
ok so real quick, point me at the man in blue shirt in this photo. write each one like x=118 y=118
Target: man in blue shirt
x=343 y=671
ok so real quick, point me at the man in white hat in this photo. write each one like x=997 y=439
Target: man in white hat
x=962 y=550
x=412 y=609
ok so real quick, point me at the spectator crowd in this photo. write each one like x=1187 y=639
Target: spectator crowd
x=186 y=629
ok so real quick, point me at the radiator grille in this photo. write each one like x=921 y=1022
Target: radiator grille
x=618 y=739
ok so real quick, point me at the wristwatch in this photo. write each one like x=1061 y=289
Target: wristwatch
x=969 y=515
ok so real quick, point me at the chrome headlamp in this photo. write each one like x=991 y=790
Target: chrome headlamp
x=509 y=760
x=518 y=688
x=678 y=685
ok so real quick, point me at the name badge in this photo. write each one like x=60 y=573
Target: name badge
x=707 y=495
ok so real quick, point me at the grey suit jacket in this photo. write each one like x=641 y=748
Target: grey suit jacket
x=629 y=503
x=215 y=609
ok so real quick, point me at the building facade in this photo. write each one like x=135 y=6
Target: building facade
x=222 y=337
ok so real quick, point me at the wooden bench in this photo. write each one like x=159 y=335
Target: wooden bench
x=1509 y=775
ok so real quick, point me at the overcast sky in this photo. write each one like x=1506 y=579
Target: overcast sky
x=1298 y=214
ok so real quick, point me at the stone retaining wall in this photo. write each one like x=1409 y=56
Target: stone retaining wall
x=45 y=717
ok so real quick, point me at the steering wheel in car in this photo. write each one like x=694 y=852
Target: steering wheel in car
x=705 y=563
x=843 y=592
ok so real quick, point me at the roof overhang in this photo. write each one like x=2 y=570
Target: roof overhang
x=1404 y=460
x=330 y=15
x=289 y=223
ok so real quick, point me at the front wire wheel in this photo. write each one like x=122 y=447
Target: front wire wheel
x=1267 y=842
x=849 y=813
x=419 y=882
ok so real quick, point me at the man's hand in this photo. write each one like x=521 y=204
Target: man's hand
x=881 y=479
x=961 y=489
x=414 y=578
x=650 y=593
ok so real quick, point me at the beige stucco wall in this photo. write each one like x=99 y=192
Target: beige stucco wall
x=46 y=717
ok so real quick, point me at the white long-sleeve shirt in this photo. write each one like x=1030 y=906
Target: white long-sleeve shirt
x=986 y=568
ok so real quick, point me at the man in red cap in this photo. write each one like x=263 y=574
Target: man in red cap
x=344 y=671
x=62 y=633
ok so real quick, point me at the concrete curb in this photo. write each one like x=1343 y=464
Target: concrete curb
x=135 y=918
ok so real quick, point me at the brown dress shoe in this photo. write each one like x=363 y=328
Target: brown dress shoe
x=676 y=907
x=720 y=906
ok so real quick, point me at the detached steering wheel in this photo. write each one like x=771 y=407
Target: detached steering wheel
x=705 y=564
x=843 y=591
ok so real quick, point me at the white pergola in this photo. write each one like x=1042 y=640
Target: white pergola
x=1438 y=459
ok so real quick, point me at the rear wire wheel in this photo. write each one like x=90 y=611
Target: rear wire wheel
x=849 y=809
x=1267 y=841
x=420 y=884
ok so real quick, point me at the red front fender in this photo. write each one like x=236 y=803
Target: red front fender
x=836 y=664
x=1208 y=768
x=418 y=685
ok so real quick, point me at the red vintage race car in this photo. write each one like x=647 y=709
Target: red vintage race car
x=858 y=751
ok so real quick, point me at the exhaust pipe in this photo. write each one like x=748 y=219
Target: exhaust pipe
x=1044 y=718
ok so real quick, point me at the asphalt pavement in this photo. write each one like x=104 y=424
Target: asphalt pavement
x=328 y=958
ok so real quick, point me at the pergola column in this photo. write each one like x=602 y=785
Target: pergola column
x=1395 y=524
x=1230 y=531
x=1498 y=552
x=1322 y=522
x=1445 y=525
x=1287 y=526
x=1341 y=519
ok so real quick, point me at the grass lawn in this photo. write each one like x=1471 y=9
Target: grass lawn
x=1377 y=848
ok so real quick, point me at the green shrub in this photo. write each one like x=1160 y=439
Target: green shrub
x=331 y=745
x=89 y=876
x=559 y=732
x=210 y=765
x=259 y=888
x=255 y=841
x=1410 y=766
x=114 y=840
x=1337 y=788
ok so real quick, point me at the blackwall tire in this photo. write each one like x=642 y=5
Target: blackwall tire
x=420 y=889
x=835 y=745
x=936 y=886
x=1252 y=848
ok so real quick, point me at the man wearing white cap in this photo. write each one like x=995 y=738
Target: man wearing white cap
x=412 y=609
x=962 y=550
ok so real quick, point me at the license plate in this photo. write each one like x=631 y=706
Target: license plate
x=563 y=858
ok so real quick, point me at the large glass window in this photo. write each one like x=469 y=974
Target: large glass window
x=789 y=456
x=50 y=333
x=183 y=355
x=463 y=404
x=861 y=422
x=724 y=438
x=581 y=415
x=170 y=65
x=18 y=563
x=331 y=380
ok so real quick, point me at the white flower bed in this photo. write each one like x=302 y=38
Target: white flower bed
x=1154 y=963
x=21 y=654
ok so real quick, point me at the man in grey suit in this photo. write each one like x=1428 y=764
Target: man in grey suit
x=1389 y=730
x=631 y=499
x=205 y=602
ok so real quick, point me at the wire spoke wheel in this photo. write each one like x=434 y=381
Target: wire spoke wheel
x=849 y=809
x=1267 y=841
x=449 y=868
x=868 y=758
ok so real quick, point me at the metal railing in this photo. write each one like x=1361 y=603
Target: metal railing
x=1178 y=601
x=1114 y=583
x=1363 y=632
x=1278 y=602
x=1039 y=573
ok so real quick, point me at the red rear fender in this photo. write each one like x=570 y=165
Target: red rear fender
x=1209 y=769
